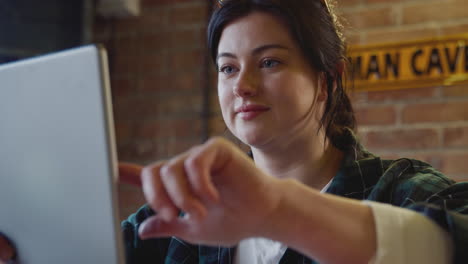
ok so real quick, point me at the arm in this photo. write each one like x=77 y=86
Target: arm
x=328 y=228
x=227 y=199
x=404 y=236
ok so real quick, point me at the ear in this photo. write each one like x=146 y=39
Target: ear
x=322 y=89
x=340 y=67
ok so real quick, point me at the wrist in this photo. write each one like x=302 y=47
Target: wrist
x=281 y=221
x=324 y=227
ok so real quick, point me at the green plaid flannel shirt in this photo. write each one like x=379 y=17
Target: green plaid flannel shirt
x=405 y=183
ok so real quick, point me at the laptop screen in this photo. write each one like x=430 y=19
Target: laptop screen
x=57 y=159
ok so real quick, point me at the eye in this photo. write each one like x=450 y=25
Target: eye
x=227 y=69
x=269 y=63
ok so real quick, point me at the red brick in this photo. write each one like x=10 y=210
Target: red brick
x=458 y=178
x=153 y=18
x=369 y=18
x=214 y=103
x=155 y=82
x=435 y=11
x=217 y=127
x=399 y=95
x=130 y=199
x=187 y=38
x=435 y=112
x=353 y=38
x=126 y=26
x=152 y=63
x=183 y=60
x=348 y=3
x=138 y=150
x=186 y=81
x=432 y=158
x=154 y=42
x=126 y=45
x=455 y=163
x=399 y=34
x=189 y=15
x=454 y=29
x=163 y=129
x=178 y=146
x=456 y=137
x=182 y=128
x=403 y=139
x=383 y=1
x=123 y=87
x=150 y=129
x=122 y=65
x=124 y=131
x=377 y=115
x=188 y=104
x=136 y=108
x=455 y=91
x=357 y=97
x=148 y=20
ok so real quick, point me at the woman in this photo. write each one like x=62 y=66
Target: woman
x=281 y=92
x=280 y=87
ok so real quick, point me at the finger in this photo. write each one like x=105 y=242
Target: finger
x=178 y=187
x=154 y=227
x=7 y=251
x=210 y=158
x=130 y=173
x=155 y=193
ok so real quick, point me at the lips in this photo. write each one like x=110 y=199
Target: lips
x=251 y=111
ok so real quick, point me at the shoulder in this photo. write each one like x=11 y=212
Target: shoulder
x=405 y=181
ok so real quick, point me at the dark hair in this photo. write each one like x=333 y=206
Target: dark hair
x=315 y=28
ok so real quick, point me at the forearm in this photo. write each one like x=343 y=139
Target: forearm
x=327 y=228
x=405 y=236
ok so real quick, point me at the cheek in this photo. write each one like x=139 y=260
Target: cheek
x=294 y=92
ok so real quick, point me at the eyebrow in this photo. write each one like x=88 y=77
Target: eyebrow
x=255 y=51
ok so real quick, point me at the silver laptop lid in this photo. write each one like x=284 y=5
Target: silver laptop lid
x=57 y=159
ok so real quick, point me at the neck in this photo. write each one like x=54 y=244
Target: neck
x=311 y=162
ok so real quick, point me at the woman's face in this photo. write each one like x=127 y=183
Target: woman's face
x=267 y=90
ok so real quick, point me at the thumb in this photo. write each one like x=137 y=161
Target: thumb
x=130 y=173
x=157 y=227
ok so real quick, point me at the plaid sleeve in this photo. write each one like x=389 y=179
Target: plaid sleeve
x=142 y=251
x=449 y=208
x=417 y=186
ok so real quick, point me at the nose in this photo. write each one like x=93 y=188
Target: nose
x=246 y=85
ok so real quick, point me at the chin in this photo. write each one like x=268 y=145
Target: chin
x=251 y=135
x=252 y=139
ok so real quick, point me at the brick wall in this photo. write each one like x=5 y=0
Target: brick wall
x=427 y=123
x=165 y=97
x=158 y=65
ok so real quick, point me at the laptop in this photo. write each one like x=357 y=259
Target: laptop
x=58 y=164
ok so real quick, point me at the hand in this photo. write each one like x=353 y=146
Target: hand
x=225 y=197
x=7 y=251
x=130 y=173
